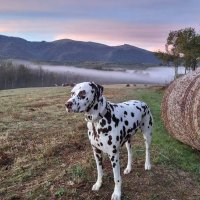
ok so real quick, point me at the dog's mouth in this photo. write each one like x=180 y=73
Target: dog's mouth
x=74 y=111
x=68 y=106
x=69 y=110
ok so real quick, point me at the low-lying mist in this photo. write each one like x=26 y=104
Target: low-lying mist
x=152 y=75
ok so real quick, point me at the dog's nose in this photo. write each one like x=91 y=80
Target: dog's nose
x=69 y=104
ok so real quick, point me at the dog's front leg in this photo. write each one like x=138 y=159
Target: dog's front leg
x=117 y=177
x=98 y=159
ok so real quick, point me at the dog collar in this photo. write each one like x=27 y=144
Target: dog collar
x=89 y=118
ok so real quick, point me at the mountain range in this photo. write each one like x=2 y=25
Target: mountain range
x=67 y=50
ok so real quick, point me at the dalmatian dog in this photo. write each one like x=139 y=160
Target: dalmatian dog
x=110 y=126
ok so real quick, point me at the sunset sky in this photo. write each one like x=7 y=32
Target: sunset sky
x=142 y=23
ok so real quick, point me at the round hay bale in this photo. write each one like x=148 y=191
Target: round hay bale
x=180 y=109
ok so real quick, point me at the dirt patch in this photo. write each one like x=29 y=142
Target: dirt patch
x=38 y=105
x=159 y=183
x=5 y=159
x=65 y=148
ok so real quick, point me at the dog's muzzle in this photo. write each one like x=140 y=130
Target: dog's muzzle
x=69 y=105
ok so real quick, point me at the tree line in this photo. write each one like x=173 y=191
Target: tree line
x=21 y=76
x=182 y=48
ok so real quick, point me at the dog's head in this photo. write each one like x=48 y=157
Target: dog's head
x=83 y=97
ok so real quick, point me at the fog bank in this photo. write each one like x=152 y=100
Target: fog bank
x=152 y=75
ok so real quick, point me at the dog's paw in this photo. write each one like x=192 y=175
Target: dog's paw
x=127 y=170
x=96 y=186
x=116 y=196
x=147 y=166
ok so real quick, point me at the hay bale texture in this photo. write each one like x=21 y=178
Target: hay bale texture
x=180 y=109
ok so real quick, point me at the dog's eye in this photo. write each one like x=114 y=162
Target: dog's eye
x=82 y=94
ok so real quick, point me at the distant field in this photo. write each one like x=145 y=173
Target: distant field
x=45 y=152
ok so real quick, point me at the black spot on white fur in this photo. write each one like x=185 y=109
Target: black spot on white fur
x=110 y=140
x=139 y=108
x=126 y=122
x=96 y=107
x=115 y=119
x=108 y=117
x=103 y=122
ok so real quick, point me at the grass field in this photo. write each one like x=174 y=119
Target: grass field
x=45 y=152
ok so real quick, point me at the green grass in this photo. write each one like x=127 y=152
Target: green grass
x=47 y=154
x=169 y=151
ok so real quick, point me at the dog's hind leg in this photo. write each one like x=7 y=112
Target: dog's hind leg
x=98 y=159
x=128 y=146
x=147 y=137
x=146 y=128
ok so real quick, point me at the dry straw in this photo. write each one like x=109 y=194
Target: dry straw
x=180 y=109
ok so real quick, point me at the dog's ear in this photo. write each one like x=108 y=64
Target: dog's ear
x=98 y=89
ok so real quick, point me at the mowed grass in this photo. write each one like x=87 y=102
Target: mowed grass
x=45 y=152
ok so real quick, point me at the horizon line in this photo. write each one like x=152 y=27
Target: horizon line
x=86 y=41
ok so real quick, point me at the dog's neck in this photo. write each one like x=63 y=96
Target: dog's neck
x=98 y=110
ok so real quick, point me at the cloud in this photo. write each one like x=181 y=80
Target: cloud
x=148 y=36
x=141 y=23
x=109 y=32
x=142 y=11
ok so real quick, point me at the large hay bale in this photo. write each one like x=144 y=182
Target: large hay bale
x=180 y=109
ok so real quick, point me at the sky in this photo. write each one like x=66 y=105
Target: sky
x=142 y=23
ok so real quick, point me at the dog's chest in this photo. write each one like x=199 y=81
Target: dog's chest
x=103 y=138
